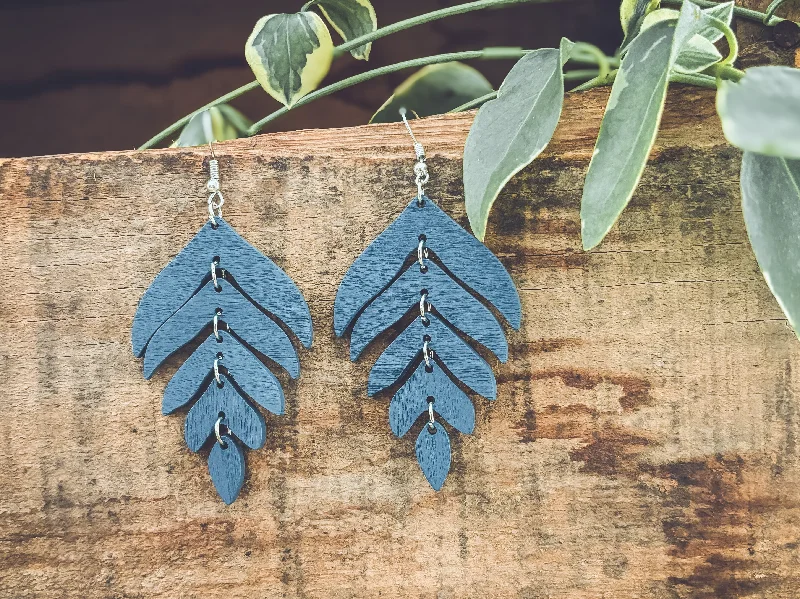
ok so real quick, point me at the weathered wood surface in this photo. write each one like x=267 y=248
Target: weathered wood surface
x=644 y=442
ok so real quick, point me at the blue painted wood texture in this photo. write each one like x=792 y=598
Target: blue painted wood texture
x=450 y=300
x=253 y=298
x=385 y=283
x=450 y=349
x=226 y=467
x=468 y=259
x=433 y=454
x=411 y=400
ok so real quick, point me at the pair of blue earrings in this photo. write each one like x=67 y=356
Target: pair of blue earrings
x=238 y=309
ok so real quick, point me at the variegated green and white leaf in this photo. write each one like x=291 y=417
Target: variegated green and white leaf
x=218 y=123
x=512 y=130
x=290 y=54
x=761 y=113
x=771 y=209
x=697 y=55
x=623 y=143
x=351 y=19
x=434 y=89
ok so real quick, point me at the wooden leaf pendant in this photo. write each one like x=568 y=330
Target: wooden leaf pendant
x=221 y=283
x=425 y=262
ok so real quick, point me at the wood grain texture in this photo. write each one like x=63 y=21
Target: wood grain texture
x=644 y=442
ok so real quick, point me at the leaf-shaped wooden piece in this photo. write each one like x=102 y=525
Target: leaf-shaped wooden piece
x=242 y=419
x=260 y=278
x=433 y=454
x=226 y=467
x=624 y=143
x=465 y=257
x=460 y=359
x=238 y=362
x=434 y=89
x=454 y=303
x=290 y=54
x=513 y=129
x=771 y=207
x=761 y=113
x=411 y=400
x=351 y=19
x=242 y=317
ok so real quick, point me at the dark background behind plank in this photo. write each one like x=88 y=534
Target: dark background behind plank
x=93 y=75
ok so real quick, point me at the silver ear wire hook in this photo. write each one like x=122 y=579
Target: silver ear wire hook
x=214 y=205
x=420 y=168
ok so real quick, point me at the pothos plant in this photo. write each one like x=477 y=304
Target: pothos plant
x=291 y=54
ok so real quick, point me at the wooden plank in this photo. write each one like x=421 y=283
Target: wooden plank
x=644 y=442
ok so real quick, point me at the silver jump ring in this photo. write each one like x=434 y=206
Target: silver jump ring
x=426 y=353
x=217 y=432
x=424 y=306
x=216 y=371
x=431 y=420
x=216 y=326
x=422 y=253
x=214 y=265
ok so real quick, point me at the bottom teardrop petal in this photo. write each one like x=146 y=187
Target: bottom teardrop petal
x=226 y=467
x=433 y=454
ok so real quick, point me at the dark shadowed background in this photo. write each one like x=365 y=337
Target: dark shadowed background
x=86 y=75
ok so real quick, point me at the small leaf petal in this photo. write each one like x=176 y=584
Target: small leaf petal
x=351 y=19
x=433 y=454
x=434 y=89
x=760 y=112
x=226 y=467
x=289 y=54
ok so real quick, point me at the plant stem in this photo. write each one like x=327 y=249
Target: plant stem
x=346 y=47
x=488 y=53
x=568 y=76
x=745 y=13
x=427 y=18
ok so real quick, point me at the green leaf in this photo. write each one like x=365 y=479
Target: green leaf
x=218 y=123
x=434 y=89
x=761 y=113
x=697 y=55
x=631 y=16
x=631 y=122
x=289 y=54
x=771 y=208
x=513 y=129
x=722 y=12
x=351 y=19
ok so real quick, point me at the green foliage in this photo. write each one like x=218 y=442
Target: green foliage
x=434 y=89
x=761 y=113
x=771 y=208
x=637 y=96
x=351 y=19
x=289 y=54
x=511 y=130
x=218 y=123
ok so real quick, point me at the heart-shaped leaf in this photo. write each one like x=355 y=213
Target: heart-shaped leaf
x=434 y=89
x=351 y=19
x=289 y=54
x=513 y=129
x=771 y=208
x=218 y=123
x=761 y=113
x=624 y=143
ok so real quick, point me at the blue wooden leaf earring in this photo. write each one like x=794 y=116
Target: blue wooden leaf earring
x=221 y=287
x=425 y=263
